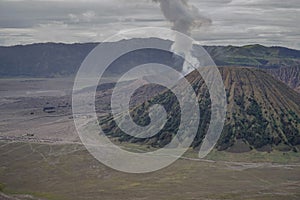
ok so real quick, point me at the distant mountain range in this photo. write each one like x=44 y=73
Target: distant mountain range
x=255 y=55
x=42 y=60
x=51 y=59
x=59 y=60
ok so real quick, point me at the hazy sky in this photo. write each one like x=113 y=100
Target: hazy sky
x=236 y=22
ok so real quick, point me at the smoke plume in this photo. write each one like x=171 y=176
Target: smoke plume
x=184 y=18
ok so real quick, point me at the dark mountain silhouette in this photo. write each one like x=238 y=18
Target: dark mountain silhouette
x=42 y=60
x=57 y=59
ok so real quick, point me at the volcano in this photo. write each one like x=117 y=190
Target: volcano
x=263 y=113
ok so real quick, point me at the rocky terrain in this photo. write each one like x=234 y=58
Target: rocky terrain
x=288 y=75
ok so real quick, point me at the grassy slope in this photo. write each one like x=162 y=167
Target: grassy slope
x=254 y=55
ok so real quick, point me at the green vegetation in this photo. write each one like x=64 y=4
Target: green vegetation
x=254 y=55
x=255 y=157
x=34 y=195
x=2 y=186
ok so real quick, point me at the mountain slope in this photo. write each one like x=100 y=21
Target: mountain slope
x=52 y=59
x=42 y=60
x=57 y=59
x=288 y=75
x=255 y=56
x=263 y=113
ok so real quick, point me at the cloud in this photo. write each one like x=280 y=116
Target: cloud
x=238 y=22
x=87 y=16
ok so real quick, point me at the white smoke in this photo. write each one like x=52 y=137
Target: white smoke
x=184 y=18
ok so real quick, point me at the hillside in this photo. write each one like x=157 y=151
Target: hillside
x=42 y=60
x=255 y=56
x=263 y=113
x=288 y=75
x=57 y=59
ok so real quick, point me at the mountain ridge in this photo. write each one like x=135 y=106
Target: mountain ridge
x=59 y=59
x=63 y=60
